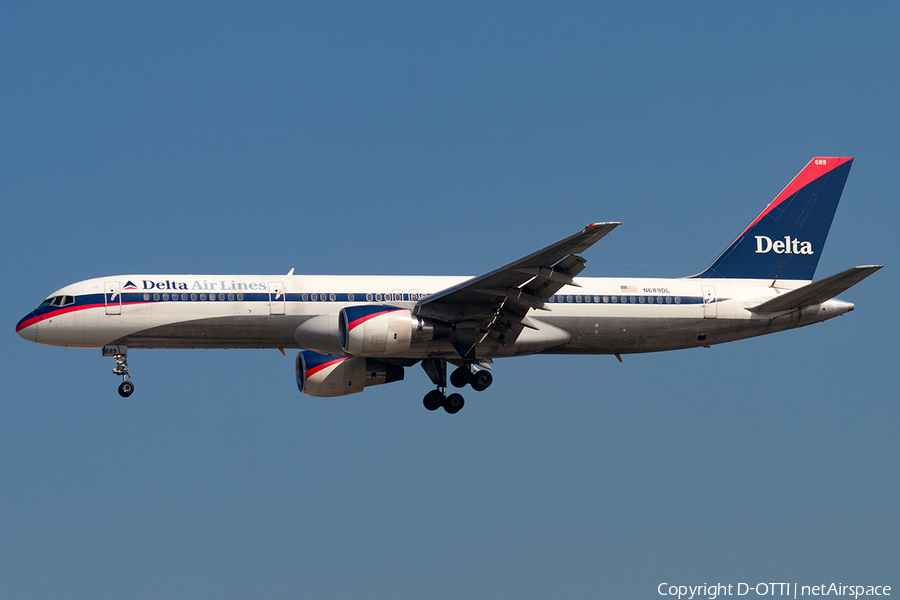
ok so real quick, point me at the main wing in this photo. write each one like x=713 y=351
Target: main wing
x=490 y=310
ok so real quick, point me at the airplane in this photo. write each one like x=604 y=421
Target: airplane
x=355 y=332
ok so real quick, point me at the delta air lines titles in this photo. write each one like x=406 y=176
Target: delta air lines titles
x=208 y=286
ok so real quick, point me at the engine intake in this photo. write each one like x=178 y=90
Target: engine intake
x=329 y=376
x=383 y=330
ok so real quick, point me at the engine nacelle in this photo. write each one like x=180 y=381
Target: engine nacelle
x=328 y=376
x=383 y=330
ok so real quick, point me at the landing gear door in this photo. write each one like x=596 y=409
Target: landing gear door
x=113 y=298
x=276 y=298
x=709 y=302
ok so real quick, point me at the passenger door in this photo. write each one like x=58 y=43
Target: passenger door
x=112 y=298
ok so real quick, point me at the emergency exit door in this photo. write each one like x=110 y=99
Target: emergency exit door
x=276 y=298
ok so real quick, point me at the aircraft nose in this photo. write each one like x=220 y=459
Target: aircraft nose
x=27 y=327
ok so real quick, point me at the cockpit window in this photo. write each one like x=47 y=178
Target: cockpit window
x=58 y=301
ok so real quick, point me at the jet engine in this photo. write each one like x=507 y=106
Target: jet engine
x=383 y=330
x=328 y=376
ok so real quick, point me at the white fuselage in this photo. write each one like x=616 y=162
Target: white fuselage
x=602 y=316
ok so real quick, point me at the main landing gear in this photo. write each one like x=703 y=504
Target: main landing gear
x=466 y=374
x=120 y=353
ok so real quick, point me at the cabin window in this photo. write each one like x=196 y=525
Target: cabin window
x=156 y=297
x=677 y=299
x=332 y=297
x=240 y=296
x=668 y=299
x=147 y=297
x=650 y=299
x=193 y=296
x=230 y=297
x=350 y=297
x=378 y=297
x=368 y=297
x=641 y=299
x=203 y=296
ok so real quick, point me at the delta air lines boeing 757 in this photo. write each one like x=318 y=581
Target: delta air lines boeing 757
x=355 y=332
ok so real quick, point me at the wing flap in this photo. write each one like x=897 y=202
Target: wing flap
x=818 y=291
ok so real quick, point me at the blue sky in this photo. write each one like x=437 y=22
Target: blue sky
x=410 y=138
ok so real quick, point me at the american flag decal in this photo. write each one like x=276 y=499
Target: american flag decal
x=628 y=288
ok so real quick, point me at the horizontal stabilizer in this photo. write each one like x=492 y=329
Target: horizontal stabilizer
x=818 y=291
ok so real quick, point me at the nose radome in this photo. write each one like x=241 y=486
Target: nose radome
x=27 y=328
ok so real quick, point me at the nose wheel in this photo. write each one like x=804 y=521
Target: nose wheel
x=126 y=388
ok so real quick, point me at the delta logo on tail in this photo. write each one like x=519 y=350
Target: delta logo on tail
x=764 y=245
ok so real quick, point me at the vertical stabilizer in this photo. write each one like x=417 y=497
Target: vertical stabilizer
x=785 y=241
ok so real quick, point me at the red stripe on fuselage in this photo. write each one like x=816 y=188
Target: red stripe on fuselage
x=66 y=310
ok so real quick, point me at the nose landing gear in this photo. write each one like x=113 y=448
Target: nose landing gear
x=120 y=353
